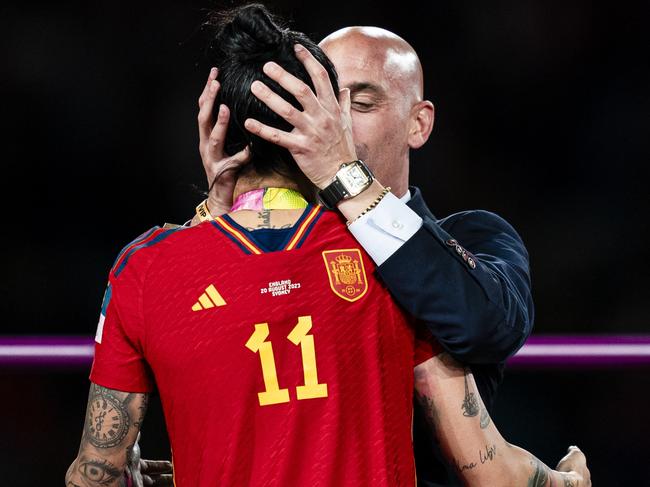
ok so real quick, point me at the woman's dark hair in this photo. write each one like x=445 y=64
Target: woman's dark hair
x=243 y=40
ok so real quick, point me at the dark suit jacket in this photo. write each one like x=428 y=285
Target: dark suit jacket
x=467 y=277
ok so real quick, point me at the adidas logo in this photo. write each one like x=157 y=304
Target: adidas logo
x=209 y=299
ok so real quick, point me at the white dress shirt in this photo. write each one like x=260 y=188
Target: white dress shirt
x=385 y=228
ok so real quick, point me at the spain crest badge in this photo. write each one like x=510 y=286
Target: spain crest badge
x=346 y=273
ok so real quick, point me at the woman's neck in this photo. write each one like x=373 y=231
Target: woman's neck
x=252 y=181
x=276 y=219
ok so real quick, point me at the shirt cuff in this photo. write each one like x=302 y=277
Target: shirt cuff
x=384 y=229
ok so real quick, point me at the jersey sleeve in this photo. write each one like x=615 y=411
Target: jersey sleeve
x=426 y=346
x=119 y=361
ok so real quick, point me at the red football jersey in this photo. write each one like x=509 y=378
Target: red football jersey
x=284 y=368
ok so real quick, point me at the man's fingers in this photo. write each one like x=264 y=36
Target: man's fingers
x=278 y=104
x=344 y=100
x=205 y=112
x=293 y=85
x=319 y=77
x=152 y=467
x=270 y=134
x=158 y=481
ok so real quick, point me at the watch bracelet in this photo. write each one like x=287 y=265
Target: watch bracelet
x=372 y=205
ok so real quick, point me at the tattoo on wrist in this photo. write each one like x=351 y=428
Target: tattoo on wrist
x=470 y=403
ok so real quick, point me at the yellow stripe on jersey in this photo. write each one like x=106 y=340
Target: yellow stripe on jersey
x=296 y=238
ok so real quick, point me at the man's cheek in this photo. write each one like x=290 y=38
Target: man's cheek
x=362 y=151
x=361 y=130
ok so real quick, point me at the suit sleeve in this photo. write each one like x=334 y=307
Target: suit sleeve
x=467 y=278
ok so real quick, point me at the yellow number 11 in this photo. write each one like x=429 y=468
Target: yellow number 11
x=273 y=394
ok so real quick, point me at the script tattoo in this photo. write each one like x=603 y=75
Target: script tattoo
x=485 y=418
x=107 y=419
x=273 y=227
x=484 y=456
x=489 y=454
x=264 y=222
x=470 y=403
x=539 y=476
x=467 y=466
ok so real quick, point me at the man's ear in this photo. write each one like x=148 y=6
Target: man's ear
x=422 y=118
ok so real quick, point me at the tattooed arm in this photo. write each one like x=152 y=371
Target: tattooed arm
x=113 y=420
x=471 y=441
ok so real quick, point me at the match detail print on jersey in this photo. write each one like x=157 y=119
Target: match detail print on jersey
x=346 y=273
x=272 y=394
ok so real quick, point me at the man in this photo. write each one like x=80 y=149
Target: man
x=466 y=275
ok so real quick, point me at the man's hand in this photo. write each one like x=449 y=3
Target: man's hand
x=322 y=136
x=146 y=473
x=155 y=473
x=576 y=463
x=216 y=162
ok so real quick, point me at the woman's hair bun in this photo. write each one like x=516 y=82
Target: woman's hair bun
x=247 y=33
x=241 y=42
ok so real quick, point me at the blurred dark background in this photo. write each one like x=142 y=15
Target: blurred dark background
x=542 y=115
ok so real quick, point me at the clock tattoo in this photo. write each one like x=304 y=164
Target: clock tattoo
x=107 y=421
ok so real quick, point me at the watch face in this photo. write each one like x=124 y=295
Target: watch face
x=354 y=179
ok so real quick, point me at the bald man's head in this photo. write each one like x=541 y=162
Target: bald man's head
x=397 y=58
x=389 y=115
